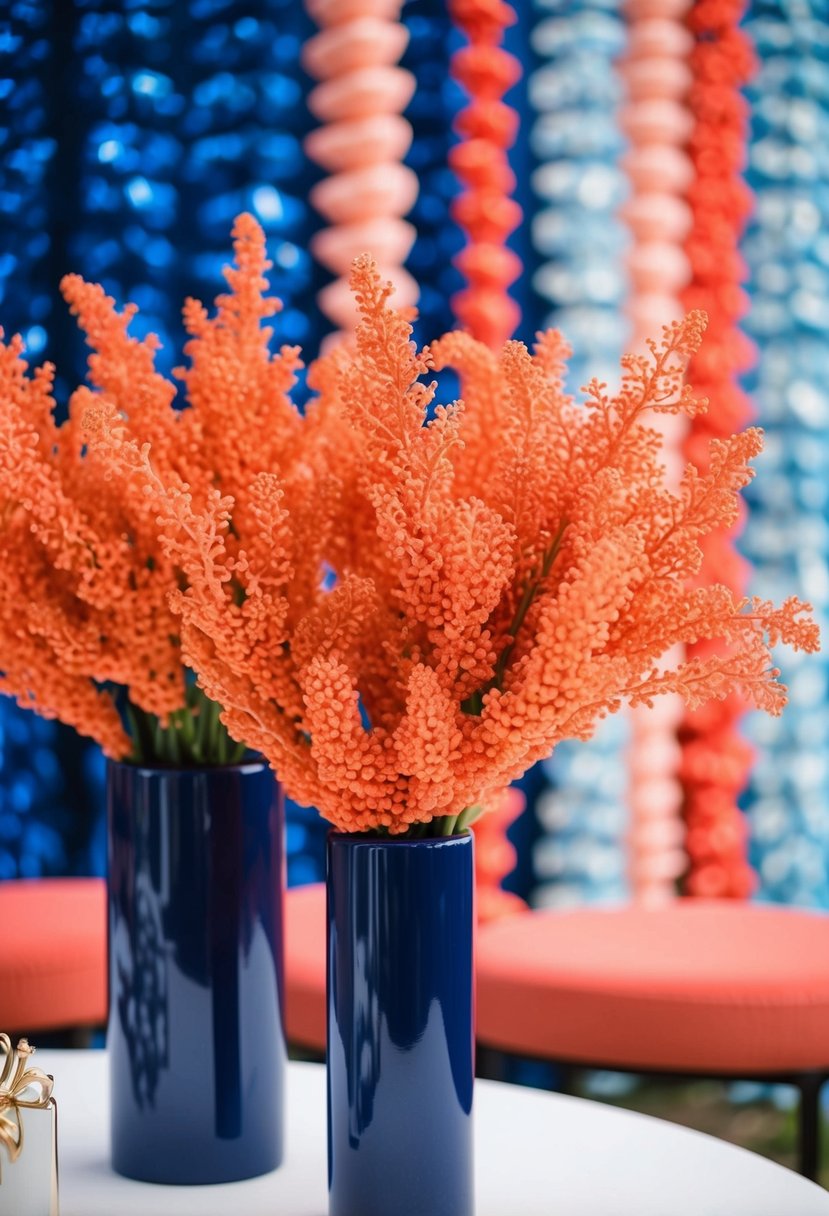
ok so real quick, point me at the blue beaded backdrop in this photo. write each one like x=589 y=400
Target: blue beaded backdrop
x=787 y=533
x=185 y=114
x=42 y=828
x=27 y=157
x=133 y=132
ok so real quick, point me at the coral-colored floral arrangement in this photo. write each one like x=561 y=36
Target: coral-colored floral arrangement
x=504 y=572
x=86 y=627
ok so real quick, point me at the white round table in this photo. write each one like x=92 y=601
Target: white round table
x=537 y=1154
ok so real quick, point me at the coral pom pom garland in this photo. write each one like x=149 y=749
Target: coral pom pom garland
x=360 y=100
x=655 y=75
x=716 y=759
x=486 y=209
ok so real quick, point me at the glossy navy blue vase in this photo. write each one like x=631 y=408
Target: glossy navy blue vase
x=196 y=1035
x=400 y=1026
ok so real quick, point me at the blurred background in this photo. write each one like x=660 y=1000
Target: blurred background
x=132 y=133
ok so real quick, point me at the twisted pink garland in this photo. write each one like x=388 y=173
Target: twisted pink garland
x=656 y=77
x=360 y=100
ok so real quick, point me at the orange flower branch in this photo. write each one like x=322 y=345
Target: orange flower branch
x=402 y=604
x=507 y=570
x=87 y=609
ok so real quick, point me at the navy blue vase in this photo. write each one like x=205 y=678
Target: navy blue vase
x=400 y=1026
x=196 y=1035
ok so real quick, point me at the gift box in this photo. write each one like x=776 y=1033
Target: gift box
x=28 y=1135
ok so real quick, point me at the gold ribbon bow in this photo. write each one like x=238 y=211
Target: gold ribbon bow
x=21 y=1088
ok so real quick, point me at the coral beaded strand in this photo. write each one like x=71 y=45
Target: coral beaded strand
x=656 y=77
x=360 y=100
x=485 y=209
x=716 y=760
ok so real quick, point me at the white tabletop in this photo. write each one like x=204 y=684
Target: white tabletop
x=537 y=1154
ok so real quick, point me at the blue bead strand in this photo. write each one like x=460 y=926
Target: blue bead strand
x=787 y=534
x=581 y=854
x=191 y=112
x=435 y=102
x=27 y=153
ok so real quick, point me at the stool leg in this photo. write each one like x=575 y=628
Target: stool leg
x=568 y=1079
x=809 y=1084
x=490 y=1064
x=79 y=1037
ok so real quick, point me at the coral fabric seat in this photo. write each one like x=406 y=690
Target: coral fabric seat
x=305 y=922
x=305 y=931
x=53 y=968
x=702 y=986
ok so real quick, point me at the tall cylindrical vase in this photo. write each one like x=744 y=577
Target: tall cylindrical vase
x=196 y=1033
x=400 y=1026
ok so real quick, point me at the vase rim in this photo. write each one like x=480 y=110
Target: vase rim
x=358 y=838
x=244 y=766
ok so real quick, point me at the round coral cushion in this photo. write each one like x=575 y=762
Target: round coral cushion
x=53 y=968
x=709 y=986
x=305 y=936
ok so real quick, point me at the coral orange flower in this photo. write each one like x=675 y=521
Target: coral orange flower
x=85 y=603
x=507 y=571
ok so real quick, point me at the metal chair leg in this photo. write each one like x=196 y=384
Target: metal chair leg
x=568 y=1079
x=809 y=1084
x=490 y=1064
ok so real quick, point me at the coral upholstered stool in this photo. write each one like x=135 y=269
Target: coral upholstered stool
x=53 y=969
x=697 y=987
x=305 y=930
x=305 y=924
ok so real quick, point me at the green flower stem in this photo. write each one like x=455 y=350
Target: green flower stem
x=440 y=828
x=474 y=703
x=193 y=737
x=468 y=817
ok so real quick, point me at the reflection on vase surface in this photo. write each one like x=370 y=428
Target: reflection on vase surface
x=400 y=1026
x=196 y=1037
x=142 y=998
